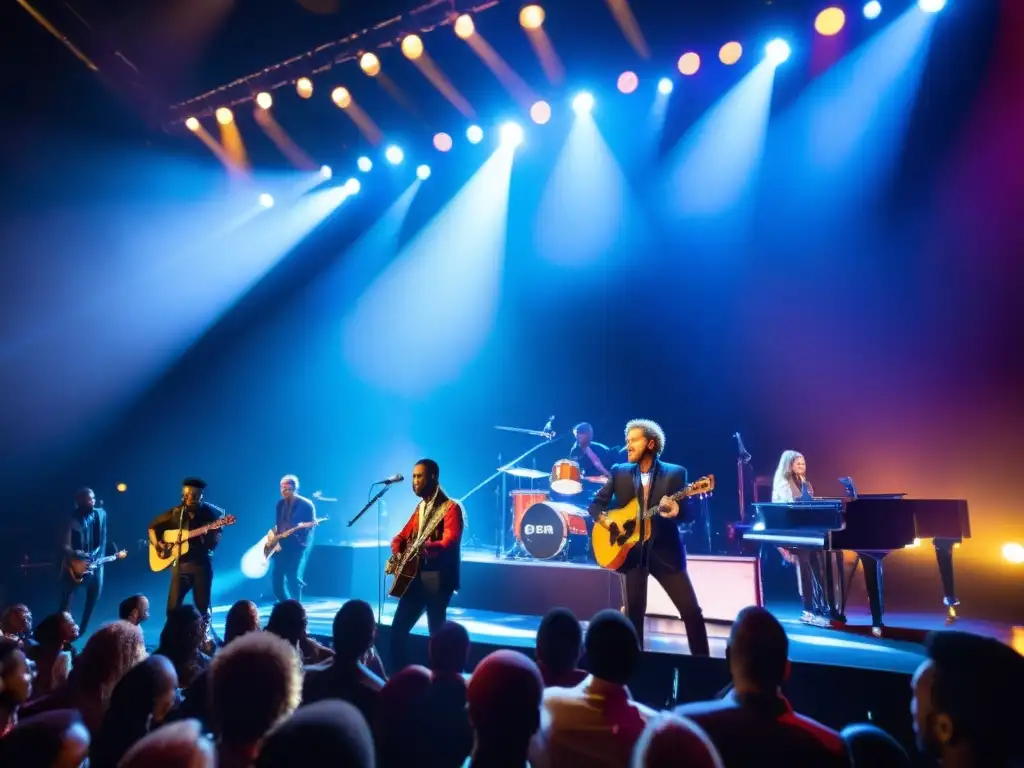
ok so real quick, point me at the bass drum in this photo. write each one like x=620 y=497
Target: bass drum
x=546 y=527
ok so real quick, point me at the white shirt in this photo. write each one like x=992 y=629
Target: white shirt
x=426 y=507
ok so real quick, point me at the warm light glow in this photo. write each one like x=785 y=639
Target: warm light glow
x=341 y=97
x=264 y=100
x=872 y=9
x=224 y=116
x=540 y=112
x=830 y=21
x=122 y=487
x=192 y=124
x=412 y=47
x=442 y=142
x=394 y=155
x=304 y=87
x=531 y=17
x=464 y=26
x=628 y=81
x=266 y=200
x=474 y=134
x=1013 y=552
x=370 y=64
x=423 y=172
x=364 y=164
x=326 y=172
x=665 y=86
x=730 y=53
x=688 y=63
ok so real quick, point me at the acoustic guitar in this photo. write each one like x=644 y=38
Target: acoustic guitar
x=166 y=551
x=405 y=565
x=77 y=567
x=613 y=544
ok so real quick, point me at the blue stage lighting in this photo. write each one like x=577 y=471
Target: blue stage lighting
x=872 y=9
x=664 y=86
x=474 y=134
x=365 y=164
x=931 y=6
x=583 y=103
x=777 y=51
x=394 y=154
x=511 y=134
x=326 y=172
x=423 y=172
x=352 y=186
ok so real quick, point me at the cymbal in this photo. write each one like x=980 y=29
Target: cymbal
x=528 y=474
x=595 y=479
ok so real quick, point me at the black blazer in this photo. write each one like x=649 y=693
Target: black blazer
x=666 y=543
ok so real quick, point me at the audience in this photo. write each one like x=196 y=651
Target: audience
x=446 y=698
x=288 y=621
x=670 y=740
x=596 y=722
x=400 y=730
x=53 y=653
x=178 y=745
x=134 y=609
x=965 y=706
x=16 y=623
x=504 y=697
x=754 y=722
x=55 y=739
x=559 y=644
x=243 y=617
x=871 y=747
x=139 y=703
x=255 y=682
x=326 y=733
x=15 y=682
x=181 y=641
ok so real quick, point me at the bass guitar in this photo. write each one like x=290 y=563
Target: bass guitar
x=405 y=565
x=166 y=551
x=613 y=544
x=77 y=567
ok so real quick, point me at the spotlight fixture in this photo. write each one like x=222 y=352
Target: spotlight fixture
x=872 y=9
x=442 y=142
x=352 y=186
x=341 y=97
x=412 y=47
x=464 y=26
x=830 y=21
x=370 y=64
x=730 y=53
x=304 y=87
x=777 y=51
x=267 y=200
x=224 y=116
x=192 y=124
x=511 y=135
x=531 y=17
x=665 y=86
x=931 y=6
x=582 y=103
x=364 y=164
x=627 y=82
x=688 y=63
x=264 y=100
x=423 y=172
x=326 y=172
x=540 y=112
x=474 y=134
x=394 y=155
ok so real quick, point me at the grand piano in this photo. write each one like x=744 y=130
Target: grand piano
x=870 y=526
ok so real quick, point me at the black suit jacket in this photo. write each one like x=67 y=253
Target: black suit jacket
x=666 y=543
x=200 y=549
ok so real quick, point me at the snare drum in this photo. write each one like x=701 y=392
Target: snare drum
x=522 y=501
x=566 y=477
x=546 y=527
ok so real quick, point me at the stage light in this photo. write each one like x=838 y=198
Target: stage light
x=326 y=172
x=688 y=63
x=370 y=64
x=540 y=112
x=352 y=186
x=931 y=6
x=122 y=487
x=264 y=100
x=304 y=87
x=1013 y=552
x=730 y=53
x=341 y=97
x=474 y=134
x=364 y=164
x=442 y=142
x=224 y=116
x=464 y=26
x=872 y=9
x=266 y=200
x=628 y=81
x=412 y=47
x=394 y=154
x=665 y=86
x=422 y=172
x=511 y=135
x=830 y=21
x=192 y=124
x=531 y=17
x=777 y=51
x=582 y=103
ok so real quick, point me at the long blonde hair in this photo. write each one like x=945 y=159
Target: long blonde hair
x=784 y=472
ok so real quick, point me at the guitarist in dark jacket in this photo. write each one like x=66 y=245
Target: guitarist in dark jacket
x=651 y=482
x=85 y=538
x=438 y=577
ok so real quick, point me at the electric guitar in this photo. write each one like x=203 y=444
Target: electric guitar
x=165 y=552
x=78 y=567
x=271 y=543
x=613 y=544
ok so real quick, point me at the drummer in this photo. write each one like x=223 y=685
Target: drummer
x=595 y=459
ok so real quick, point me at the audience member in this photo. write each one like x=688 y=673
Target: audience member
x=345 y=676
x=16 y=622
x=399 y=728
x=559 y=644
x=325 y=733
x=243 y=617
x=670 y=740
x=55 y=739
x=139 y=703
x=255 y=681
x=754 y=725
x=449 y=650
x=964 y=707
x=52 y=653
x=15 y=682
x=597 y=722
x=178 y=745
x=871 y=747
x=134 y=609
x=504 y=698
x=448 y=721
x=181 y=641
x=288 y=621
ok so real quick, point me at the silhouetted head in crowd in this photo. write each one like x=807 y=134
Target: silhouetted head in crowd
x=503 y=699
x=288 y=620
x=613 y=648
x=871 y=747
x=15 y=679
x=559 y=642
x=55 y=739
x=670 y=740
x=107 y=657
x=354 y=630
x=177 y=745
x=182 y=636
x=758 y=652
x=965 y=704
x=449 y=649
x=134 y=609
x=243 y=617
x=16 y=620
x=328 y=732
x=400 y=728
x=56 y=631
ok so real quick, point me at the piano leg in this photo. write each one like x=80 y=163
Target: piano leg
x=944 y=556
x=873 y=583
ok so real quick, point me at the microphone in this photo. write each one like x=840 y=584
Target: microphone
x=391 y=480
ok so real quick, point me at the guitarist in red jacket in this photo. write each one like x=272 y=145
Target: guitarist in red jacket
x=651 y=481
x=438 y=577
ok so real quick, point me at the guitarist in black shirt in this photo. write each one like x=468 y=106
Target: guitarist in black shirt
x=84 y=538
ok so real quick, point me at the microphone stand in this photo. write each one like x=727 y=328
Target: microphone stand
x=742 y=459
x=380 y=570
x=369 y=504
